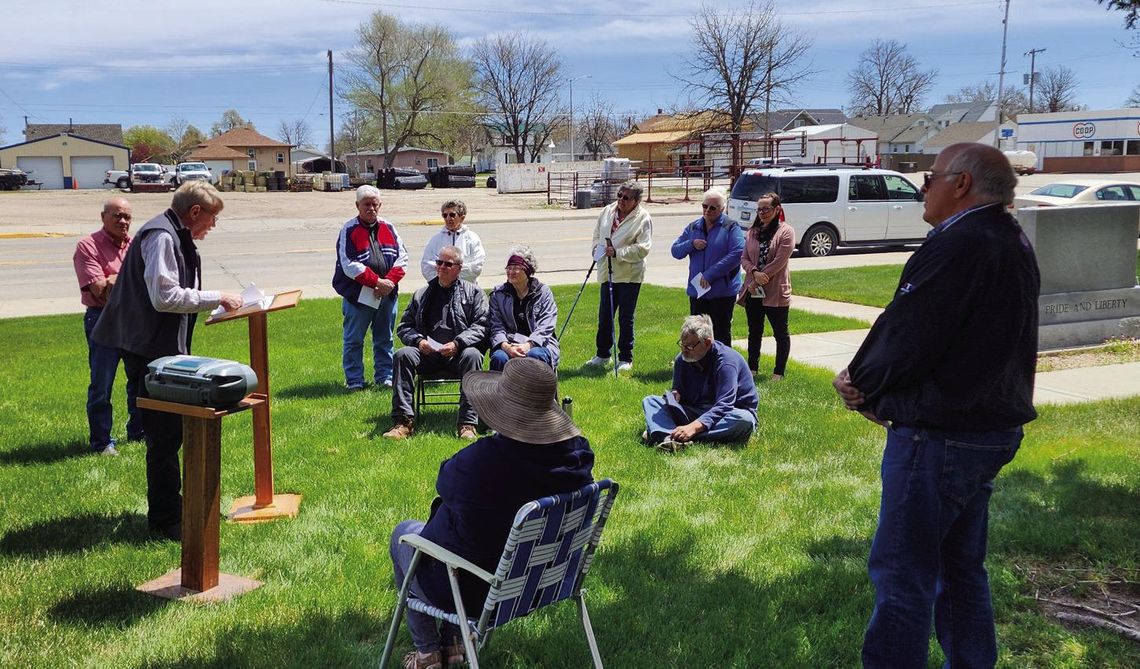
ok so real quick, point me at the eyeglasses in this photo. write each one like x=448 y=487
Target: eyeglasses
x=368 y=205
x=688 y=348
x=625 y=196
x=929 y=177
x=765 y=210
x=451 y=214
x=121 y=216
x=448 y=264
x=710 y=207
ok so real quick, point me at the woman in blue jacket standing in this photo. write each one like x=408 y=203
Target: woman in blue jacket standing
x=713 y=244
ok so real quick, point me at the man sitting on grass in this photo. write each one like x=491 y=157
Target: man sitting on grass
x=713 y=396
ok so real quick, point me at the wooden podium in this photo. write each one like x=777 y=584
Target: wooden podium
x=198 y=578
x=263 y=505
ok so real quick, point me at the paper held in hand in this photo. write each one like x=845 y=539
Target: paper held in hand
x=696 y=282
x=251 y=296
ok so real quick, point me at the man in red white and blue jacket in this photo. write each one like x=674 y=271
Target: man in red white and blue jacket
x=370 y=261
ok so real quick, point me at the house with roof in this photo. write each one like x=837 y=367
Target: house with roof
x=108 y=133
x=899 y=133
x=65 y=160
x=981 y=132
x=947 y=114
x=407 y=157
x=243 y=149
x=670 y=141
x=780 y=120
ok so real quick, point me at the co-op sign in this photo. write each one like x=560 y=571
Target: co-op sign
x=1084 y=130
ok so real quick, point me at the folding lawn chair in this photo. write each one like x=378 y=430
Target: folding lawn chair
x=545 y=560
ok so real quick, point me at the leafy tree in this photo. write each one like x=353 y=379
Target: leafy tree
x=296 y=133
x=405 y=75
x=1058 y=88
x=887 y=80
x=742 y=57
x=517 y=80
x=1131 y=9
x=148 y=144
x=230 y=119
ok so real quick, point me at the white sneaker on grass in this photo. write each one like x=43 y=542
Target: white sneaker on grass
x=598 y=361
x=625 y=367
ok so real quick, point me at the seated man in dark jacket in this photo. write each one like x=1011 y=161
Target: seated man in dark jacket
x=536 y=451
x=444 y=330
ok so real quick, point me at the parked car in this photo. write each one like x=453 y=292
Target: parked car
x=120 y=179
x=149 y=177
x=1079 y=191
x=192 y=172
x=837 y=205
x=782 y=161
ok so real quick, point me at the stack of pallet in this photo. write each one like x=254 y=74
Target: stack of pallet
x=301 y=184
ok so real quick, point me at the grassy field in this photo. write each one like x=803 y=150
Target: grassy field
x=731 y=557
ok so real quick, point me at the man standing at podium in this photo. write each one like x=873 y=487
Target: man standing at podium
x=151 y=314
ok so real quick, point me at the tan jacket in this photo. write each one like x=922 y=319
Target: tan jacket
x=631 y=242
x=778 y=291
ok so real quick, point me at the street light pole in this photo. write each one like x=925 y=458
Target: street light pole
x=572 y=131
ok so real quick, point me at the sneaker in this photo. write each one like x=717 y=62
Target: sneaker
x=669 y=446
x=467 y=432
x=354 y=387
x=387 y=383
x=403 y=429
x=625 y=366
x=108 y=450
x=598 y=361
x=777 y=377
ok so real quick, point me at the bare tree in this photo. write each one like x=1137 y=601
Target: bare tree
x=295 y=133
x=597 y=127
x=1015 y=101
x=1134 y=98
x=1131 y=9
x=404 y=74
x=887 y=80
x=742 y=58
x=230 y=119
x=1058 y=88
x=517 y=78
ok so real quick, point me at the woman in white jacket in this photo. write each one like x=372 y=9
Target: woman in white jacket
x=455 y=233
x=624 y=233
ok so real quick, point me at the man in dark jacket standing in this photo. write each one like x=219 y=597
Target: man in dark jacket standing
x=151 y=314
x=948 y=368
x=444 y=330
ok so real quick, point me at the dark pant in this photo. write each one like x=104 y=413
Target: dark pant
x=624 y=304
x=719 y=309
x=756 y=311
x=103 y=362
x=426 y=631
x=163 y=441
x=409 y=362
x=930 y=547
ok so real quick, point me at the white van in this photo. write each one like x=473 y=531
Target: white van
x=836 y=205
x=782 y=161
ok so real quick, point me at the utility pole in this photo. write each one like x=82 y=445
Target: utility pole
x=332 y=137
x=1001 y=76
x=1032 y=53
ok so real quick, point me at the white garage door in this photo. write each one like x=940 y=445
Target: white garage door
x=219 y=166
x=47 y=170
x=89 y=171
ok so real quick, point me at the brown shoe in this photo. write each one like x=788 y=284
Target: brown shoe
x=467 y=431
x=403 y=429
x=453 y=654
x=417 y=660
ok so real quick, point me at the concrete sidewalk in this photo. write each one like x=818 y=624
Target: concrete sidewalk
x=833 y=350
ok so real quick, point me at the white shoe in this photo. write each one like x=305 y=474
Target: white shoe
x=625 y=367
x=598 y=361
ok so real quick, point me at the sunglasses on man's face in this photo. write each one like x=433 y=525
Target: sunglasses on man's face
x=710 y=207
x=451 y=214
x=624 y=196
x=447 y=263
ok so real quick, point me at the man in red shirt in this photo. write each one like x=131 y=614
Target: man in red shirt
x=97 y=259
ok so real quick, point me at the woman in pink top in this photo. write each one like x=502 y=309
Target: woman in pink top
x=767 y=290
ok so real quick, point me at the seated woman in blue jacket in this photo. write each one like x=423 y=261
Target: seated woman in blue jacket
x=523 y=314
x=713 y=243
x=536 y=451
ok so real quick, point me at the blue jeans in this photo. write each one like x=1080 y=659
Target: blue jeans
x=357 y=320
x=929 y=550
x=736 y=425
x=625 y=302
x=426 y=631
x=104 y=363
x=499 y=357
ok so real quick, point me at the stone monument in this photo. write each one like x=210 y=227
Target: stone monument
x=1087 y=258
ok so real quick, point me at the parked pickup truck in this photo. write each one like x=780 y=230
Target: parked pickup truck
x=192 y=172
x=141 y=177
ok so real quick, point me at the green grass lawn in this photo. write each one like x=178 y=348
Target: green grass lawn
x=728 y=557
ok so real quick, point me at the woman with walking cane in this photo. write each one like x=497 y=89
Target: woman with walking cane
x=621 y=241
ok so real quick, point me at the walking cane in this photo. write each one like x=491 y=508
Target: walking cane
x=613 y=308
x=566 y=323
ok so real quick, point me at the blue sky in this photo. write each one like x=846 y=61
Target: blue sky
x=131 y=62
